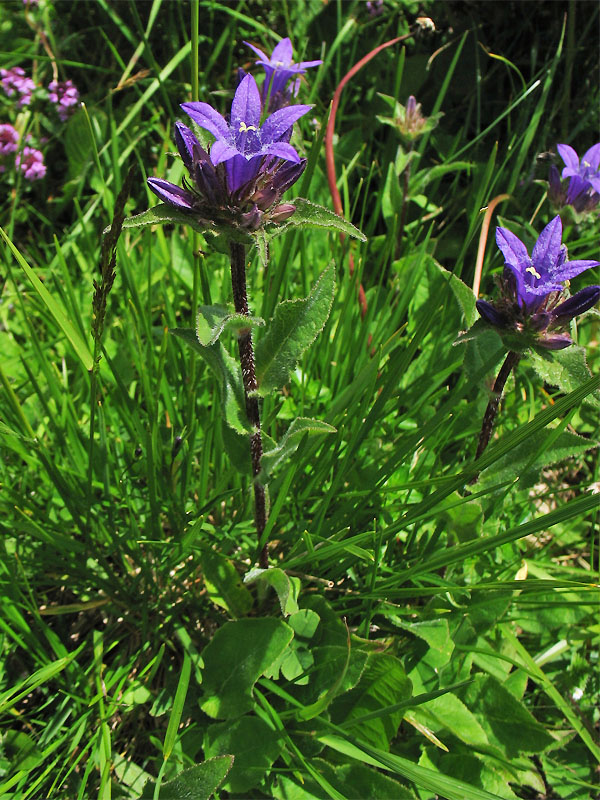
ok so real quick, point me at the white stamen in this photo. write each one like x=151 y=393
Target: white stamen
x=245 y=128
x=534 y=272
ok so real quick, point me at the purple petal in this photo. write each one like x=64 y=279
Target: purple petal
x=186 y=140
x=282 y=150
x=595 y=181
x=546 y=251
x=280 y=121
x=490 y=314
x=306 y=64
x=206 y=117
x=514 y=251
x=240 y=171
x=221 y=151
x=591 y=157
x=282 y=54
x=577 y=186
x=557 y=342
x=246 y=107
x=259 y=53
x=569 y=156
x=572 y=268
x=580 y=302
x=171 y=194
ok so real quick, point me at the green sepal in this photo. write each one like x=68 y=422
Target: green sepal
x=229 y=376
x=213 y=320
x=294 y=327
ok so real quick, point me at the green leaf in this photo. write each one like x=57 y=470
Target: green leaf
x=304 y=623
x=463 y=294
x=273 y=457
x=229 y=375
x=566 y=369
x=253 y=744
x=224 y=585
x=311 y=215
x=213 y=320
x=357 y=781
x=382 y=684
x=164 y=214
x=197 y=783
x=234 y=660
x=287 y=588
x=449 y=713
x=337 y=670
x=178 y=703
x=294 y=327
x=79 y=345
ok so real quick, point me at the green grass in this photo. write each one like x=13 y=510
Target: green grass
x=456 y=651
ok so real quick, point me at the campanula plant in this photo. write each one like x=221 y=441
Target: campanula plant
x=233 y=191
x=580 y=185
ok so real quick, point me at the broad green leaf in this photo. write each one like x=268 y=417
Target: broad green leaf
x=196 y=783
x=79 y=345
x=505 y=719
x=229 y=375
x=287 y=588
x=164 y=214
x=304 y=623
x=288 y=445
x=337 y=670
x=449 y=713
x=311 y=215
x=566 y=369
x=463 y=294
x=253 y=744
x=224 y=585
x=234 y=660
x=382 y=684
x=20 y=750
x=213 y=320
x=294 y=327
x=446 y=787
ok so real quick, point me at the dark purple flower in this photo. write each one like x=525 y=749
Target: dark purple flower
x=65 y=95
x=581 y=185
x=279 y=69
x=586 y=169
x=375 y=7
x=209 y=197
x=31 y=163
x=243 y=143
x=9 y=139
x=532 y=288
x=15 y=82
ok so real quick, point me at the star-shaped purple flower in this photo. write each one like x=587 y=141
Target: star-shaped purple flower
x=280 y=67
x=584 y=171
x=532 y=288
x=243 y=143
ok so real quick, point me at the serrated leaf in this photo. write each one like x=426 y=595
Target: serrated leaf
x=566 y=369
x=224 y=585
x=463 y=294
x=311 y=215
x=196 y=783
x=213 y=320
x=287 y=588
x=229 y=375
x=234 y=660
x=254 y=746
x=294 y=327
x=273 y=457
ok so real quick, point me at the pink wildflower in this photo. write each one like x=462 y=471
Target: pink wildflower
x=65 y=95
x=9 y=139
x=31 y=162
x=15 y=82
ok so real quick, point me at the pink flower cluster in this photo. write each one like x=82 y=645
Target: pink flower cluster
x=15 y=82
x=65 y=94
x=30 y=161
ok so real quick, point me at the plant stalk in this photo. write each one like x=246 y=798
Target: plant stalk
x=511 y=360
x=246 y=351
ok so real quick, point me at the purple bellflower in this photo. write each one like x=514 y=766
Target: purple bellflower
x=582 y=186
x=279 y=69
x=249 y=167
x=532 y=288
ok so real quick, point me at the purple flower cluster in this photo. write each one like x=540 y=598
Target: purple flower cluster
x=251 y=164
x=580 y=187
x=31 y=163
x=14 y=82
x=65 y=95
x=9 y=139
x=532 y=301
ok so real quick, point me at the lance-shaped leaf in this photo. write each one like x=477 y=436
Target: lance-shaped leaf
x=196 y=783
x=229 y=376
x=289 y=444
x=213 y=320
x=311 y=215
x=294 y=327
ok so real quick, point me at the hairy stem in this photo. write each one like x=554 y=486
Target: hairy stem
x=511 y=360
x=246 y=351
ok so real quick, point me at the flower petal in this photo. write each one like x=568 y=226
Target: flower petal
x=580 y=302
x=306 y=64
x=280 y=121
x=282 y=150
x=514 y=251
x=572 y=268
x=262 y=56
x=282 y=54
x=569 y=156
x=185 y=141
x=490 y=313
x=171 y=194
x=591 y=157
x=221 y=151
x=206 y=117
x=246 y=107
x=546 y=251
